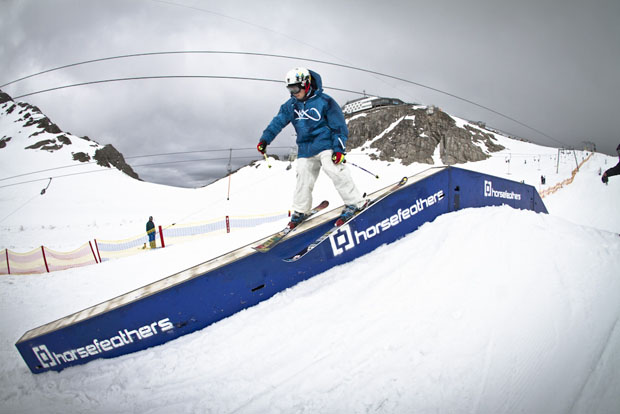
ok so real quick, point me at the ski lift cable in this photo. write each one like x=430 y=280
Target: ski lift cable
x=19 y=208
x=351 y=67
x=134 y=78
x=197 y=151
x=113 y=169
x=136 y=156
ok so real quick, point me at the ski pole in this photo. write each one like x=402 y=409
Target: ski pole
x=363 y=169
x=266 y=159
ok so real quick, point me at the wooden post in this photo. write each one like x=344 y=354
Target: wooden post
x=161 y=237
x=97 y=247
x=45 y=259
x=92 y=251
x=576 y=162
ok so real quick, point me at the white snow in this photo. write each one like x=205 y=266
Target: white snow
x=483 y=310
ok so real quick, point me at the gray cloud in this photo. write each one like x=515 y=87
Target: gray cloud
x=551 y=64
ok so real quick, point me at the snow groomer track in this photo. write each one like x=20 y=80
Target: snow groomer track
x=204 y=294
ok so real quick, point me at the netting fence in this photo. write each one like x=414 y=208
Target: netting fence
x=42 y=260
x=566 y=182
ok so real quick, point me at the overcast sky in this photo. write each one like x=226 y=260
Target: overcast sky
x=553 y=65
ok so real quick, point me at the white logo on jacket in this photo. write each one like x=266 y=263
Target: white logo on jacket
x=311 y=113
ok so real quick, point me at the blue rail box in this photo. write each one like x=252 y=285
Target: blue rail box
x=204 y=294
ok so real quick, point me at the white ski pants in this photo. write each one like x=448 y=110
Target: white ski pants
x=308 y=171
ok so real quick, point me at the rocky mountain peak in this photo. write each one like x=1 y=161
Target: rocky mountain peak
x=25 y=124
x=412 y=133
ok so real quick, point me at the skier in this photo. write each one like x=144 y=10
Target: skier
x=321 y=137
x=613 y=170
x=150 y=231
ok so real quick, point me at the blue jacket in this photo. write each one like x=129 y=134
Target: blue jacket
x=318 y=121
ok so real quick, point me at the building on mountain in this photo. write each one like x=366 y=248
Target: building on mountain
x=368 y=102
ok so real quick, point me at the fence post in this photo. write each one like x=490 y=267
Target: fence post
x=227 y=224
x=92 y=251
x=98 y=254
x=161 y=237
x=45 y=259
x=8 y=266
x=576 y=162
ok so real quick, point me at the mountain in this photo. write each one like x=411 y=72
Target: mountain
x=25 y=127
x=412 y=133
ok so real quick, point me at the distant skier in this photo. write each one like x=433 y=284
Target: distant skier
x=613 y=170
x=321 y=137
x=150 y=231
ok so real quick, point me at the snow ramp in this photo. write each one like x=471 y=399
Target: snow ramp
x=209 y=292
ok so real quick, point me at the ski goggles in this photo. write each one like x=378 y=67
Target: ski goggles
x=295 y=89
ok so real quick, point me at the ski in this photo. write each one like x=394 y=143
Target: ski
x=339 y=223
x=277 y=238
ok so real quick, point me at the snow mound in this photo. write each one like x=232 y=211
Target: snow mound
x=483 y=310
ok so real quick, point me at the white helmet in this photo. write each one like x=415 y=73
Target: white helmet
x=298 y=76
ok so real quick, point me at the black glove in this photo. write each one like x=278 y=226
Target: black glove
x=262 y=146
x=604 y=178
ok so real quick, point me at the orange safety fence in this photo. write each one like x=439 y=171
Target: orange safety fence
x=179 y=233
x=43 y=259
x=82 y=256
x=566 y=182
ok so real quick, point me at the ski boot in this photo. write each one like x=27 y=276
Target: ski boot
x=296 y=219
x=349 y=211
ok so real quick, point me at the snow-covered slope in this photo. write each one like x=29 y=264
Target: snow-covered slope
x=483 y=310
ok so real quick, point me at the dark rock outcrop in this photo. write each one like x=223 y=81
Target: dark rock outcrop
x=4 y=140
x=109 y=156
x=4 y=97
x=81 y=157
x=46 y=145
x=412 y=134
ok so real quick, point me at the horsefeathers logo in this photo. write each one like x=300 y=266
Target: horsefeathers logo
x=312 y=114
x=342 y=240
x=345 y=239
x=490 y=192
x=44 y=356
x=48 y=359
